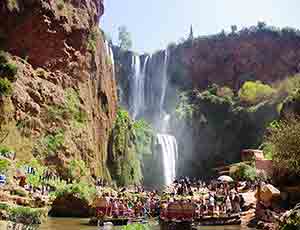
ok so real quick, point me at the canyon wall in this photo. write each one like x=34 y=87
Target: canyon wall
x=64 y=100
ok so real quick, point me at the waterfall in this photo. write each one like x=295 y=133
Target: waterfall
x=168 y=142
x=164 y=81
x=138 y=91
x=169 y=149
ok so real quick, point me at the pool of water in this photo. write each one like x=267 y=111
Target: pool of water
x=81 y=224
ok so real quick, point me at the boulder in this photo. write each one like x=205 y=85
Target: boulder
x=268 y=193
x=69 y=205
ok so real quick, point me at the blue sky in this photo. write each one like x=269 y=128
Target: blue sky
x=156 y=23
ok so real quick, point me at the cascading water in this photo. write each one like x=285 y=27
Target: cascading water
x=168 y=142
x=148 y=83
x=138 y=91
x=170 y=152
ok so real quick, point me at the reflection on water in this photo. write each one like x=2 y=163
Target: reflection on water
x=81 y=224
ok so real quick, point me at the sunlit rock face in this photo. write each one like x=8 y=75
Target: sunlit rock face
x=266 y=54
x=65 y=88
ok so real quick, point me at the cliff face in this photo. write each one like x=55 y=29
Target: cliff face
x=64 y=100
x=252 y=54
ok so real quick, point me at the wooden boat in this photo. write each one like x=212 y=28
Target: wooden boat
x=177 y=215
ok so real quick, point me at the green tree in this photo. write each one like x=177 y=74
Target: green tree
x=261 y=25
x=125 y=41
x=284 y=137
x=233 y=29
x=255 y=92
x=191 y=36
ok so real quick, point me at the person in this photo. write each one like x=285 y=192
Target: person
x=2 y=180
x=228 y=205
x=211 y=205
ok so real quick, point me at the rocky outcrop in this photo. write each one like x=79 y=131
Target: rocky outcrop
x=64 y=100
x=254 y=53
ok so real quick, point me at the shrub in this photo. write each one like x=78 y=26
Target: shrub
x=19 y=192
x=5 y=87
x=77 y=169
x=4 y=206
x=243 y=171
x=144 y=134
x=70 y=110
x=4 y=165
x=137 y=227
x=82 y=190
x=92 y=39
x=255 y=92
x=25 y=215
x=284 y=136
x=36 y=178
x=52 y=142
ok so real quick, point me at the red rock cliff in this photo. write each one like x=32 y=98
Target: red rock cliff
x=65 y=90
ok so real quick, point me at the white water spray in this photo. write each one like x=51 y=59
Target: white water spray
x=169 y=148
x=138 y=92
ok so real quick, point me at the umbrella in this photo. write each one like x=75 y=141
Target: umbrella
x=225 y=179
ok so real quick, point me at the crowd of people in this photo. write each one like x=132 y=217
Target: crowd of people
x=197 y=197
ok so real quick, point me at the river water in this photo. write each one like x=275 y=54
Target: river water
x=81 y=224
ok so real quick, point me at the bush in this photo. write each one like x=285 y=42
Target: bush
x=53 y=142
x=144 y=134
x=25 y=215
x=81 y=190
x=92 y=39
x=137 y=227
x=5 y=87
x=77 y=169
x=4 y=165
x=243 y=171
x=255 y=92
x=70 y=110
x=284 y=137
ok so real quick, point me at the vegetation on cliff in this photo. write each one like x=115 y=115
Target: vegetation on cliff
x=129 y=142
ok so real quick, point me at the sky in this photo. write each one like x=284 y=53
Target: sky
x=154 y=24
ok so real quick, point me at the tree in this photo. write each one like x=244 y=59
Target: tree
x=191 y=36
x=261 y=25
x=125 y=41
x=255 y=92
x=284 y=137
x=233 y=29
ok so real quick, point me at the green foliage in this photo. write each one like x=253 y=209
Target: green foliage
x=26 y=215
x=8 y=69
x=52 y=142
x=33 y=179
x=71 y=110
x=92 y=39
x=284 y=137
x=4 y=206
x=19 y=192
x=77 y=169
x=4 y=165
x=255 y=92
x=137 y=227
x=5 y=87
x=125 y=42
x=124 y=162
x=60 y=4
x=144 y=135
x=82 y=190
x=243 y=171
x=185 y=108
x=268 y=150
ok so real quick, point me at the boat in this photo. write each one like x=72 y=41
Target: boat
x=234 y=219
